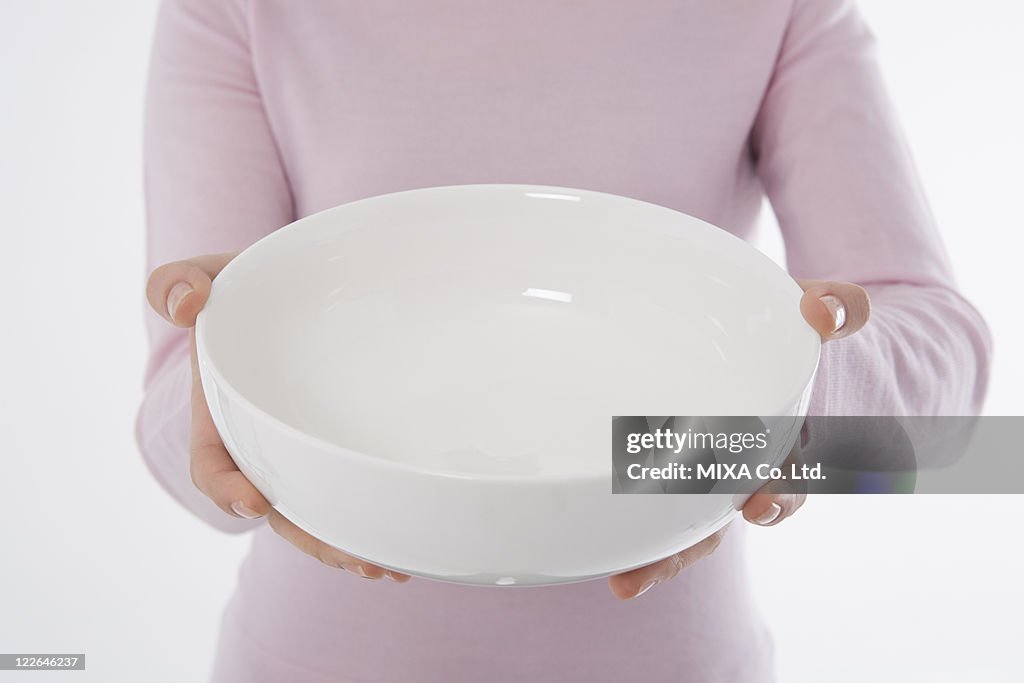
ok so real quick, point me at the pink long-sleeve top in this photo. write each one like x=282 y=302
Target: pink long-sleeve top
x=263 y=111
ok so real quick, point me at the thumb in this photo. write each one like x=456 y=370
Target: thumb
x=834 y=309
x=179 y=290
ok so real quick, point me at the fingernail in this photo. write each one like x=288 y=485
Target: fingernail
x=362 y=572
x=178 y=293
x=837 y=309
x=646 y=587
x=244 y=511
x=391 y=576
x=769 y=515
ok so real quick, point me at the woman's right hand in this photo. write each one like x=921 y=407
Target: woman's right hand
x=178 y=291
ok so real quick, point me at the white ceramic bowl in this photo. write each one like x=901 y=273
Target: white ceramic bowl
x=426 y=379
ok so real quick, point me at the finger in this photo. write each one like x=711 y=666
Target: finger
x=212 y=469
x=635 y=583
x=327 y=554
x=767 y=508
x=778 y=499
x=179 y=290
x=834 y=309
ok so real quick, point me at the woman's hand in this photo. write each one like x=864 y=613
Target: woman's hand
x=835 y=310
x=178 y=291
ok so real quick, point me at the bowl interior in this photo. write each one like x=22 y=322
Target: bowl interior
x=496 y=329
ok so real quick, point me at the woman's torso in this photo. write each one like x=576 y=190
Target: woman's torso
x=653 y=100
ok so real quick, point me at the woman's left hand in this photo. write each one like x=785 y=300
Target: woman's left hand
x=836 y=310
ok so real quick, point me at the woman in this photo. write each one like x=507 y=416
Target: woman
x=263 y=111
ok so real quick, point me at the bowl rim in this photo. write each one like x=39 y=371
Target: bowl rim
x=209 y=369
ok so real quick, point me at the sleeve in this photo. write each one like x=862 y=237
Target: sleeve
x=214 y=182
x=840 y=178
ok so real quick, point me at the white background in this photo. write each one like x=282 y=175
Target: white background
x=94 y=557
